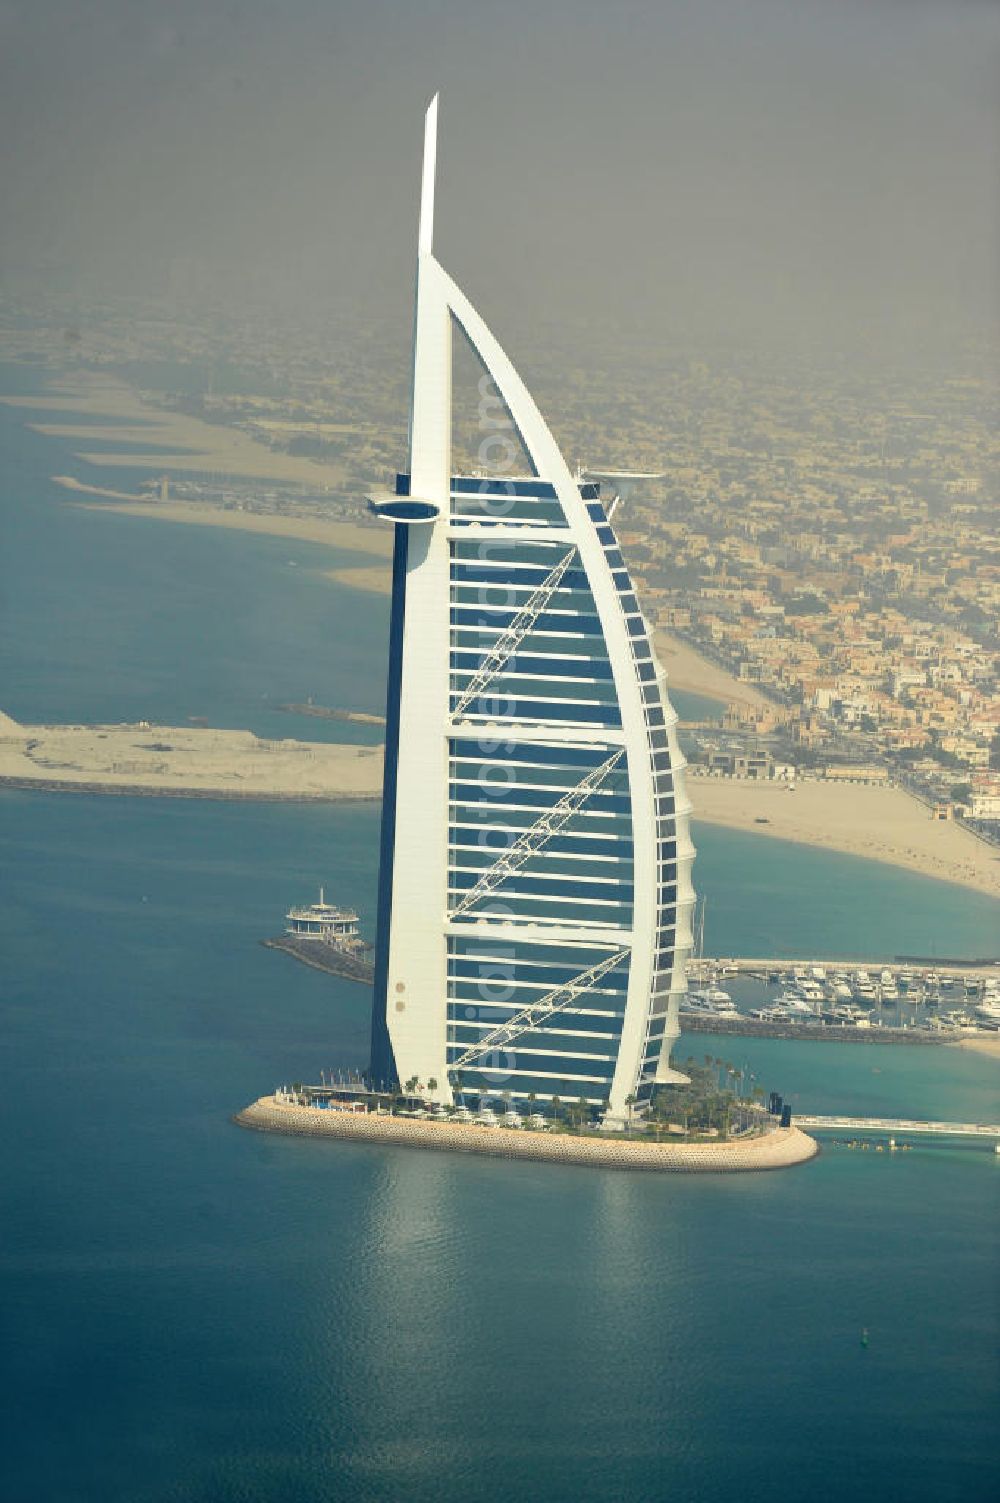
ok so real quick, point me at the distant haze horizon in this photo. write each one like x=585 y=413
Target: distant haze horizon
x=754 y=174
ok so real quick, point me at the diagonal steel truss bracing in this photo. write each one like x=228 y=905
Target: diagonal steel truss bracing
x=513 y=635
x=534 y=839
x=530 y=1017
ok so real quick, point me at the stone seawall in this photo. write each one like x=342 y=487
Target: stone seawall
x=816 y=1033
x=776 y=1150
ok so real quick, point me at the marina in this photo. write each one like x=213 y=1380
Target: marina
x=821 y=1000
x=870 y=1002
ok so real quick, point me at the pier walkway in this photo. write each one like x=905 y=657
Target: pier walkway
x=899 y=1125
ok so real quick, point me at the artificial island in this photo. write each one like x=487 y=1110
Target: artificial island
x=535 y=897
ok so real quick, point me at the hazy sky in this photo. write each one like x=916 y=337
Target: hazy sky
x=714 y=167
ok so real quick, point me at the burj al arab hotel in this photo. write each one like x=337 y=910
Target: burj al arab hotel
x=535 y=898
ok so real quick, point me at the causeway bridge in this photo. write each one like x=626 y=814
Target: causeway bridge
x=894 y=1125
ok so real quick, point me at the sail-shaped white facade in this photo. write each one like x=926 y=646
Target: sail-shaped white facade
x=535 y=895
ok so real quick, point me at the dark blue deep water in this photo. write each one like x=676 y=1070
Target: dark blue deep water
x=202 y=1315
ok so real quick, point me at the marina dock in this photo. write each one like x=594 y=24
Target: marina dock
x=979 y=970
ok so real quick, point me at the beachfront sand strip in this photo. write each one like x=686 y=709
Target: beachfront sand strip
x=184 y=761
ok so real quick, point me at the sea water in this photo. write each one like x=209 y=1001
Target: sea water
x=124 y=618
x=193 y=1312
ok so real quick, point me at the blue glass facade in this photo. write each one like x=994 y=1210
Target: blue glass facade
x=579 y=887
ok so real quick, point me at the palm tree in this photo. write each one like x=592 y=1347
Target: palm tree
x=629 y=1103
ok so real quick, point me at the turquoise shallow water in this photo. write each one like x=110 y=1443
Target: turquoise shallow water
x=119 y=618
x=196 y=1313
x=217 y=1315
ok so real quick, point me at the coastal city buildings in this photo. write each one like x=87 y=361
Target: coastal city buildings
x=824 y=529
x=823 y=532
x=535 y=896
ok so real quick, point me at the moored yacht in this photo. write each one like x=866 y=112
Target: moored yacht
x=797 y=1006
x=712 y=1001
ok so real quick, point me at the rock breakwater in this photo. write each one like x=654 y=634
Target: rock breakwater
x=778 y=1149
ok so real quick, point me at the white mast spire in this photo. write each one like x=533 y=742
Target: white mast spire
x=430 y=407
x=425 y=241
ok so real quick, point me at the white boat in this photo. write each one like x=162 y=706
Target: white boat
x=781 y=1012
x=845 y=1013
x=818 y=973
x=697 y=1001
x=842 y=990
x=717 y=995
x=712 y=1001
x=797 y=1007
x=887 y=978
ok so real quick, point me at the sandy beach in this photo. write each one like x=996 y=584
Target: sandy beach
x=879 y=823
x=376 y=578
x=986 y=1043
x=349 y=536
x=173 y=442
x=184 y=761
x=70 y=483
x=687 y=669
